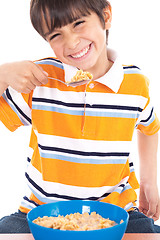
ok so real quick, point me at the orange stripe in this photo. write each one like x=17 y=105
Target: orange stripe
x=8 y=116
x=84 y=175
x=71 y=126
x=33 y=198
x=133 y=180
x=24 y=210
x=134 y=84
x=109 y=128
x=122 y=199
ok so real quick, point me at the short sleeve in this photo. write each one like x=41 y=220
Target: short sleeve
x=15 y=109
x=147 y=122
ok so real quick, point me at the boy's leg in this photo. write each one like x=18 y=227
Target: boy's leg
x=15 y=223
x=139 y=223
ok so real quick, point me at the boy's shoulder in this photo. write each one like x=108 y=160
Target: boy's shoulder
x=135 y=81
x=135 y=73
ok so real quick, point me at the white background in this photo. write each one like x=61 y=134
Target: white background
x=134 y=34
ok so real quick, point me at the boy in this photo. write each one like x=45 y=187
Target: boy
x=81 y=136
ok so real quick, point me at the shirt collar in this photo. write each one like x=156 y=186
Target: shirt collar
x=112 y=79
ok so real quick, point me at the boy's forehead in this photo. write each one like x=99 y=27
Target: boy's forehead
x=49 y=22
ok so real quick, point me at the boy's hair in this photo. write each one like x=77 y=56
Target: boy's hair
x=58 y=13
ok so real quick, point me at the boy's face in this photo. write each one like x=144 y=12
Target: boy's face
x=82 y=43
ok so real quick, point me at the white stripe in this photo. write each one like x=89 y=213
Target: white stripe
x=145 y=114
x=128 y=206
x=30 y=152
x=132 y=169
x=84 y=144
x=27 y=204
x=91 y=98
x=67 y=190
x=18 y=99
x=64 y=96
x=29 y=155
x=116 y=99
x=22 y=119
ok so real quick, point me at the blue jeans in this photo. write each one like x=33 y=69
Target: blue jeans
x=15 y=223
x=138 y=223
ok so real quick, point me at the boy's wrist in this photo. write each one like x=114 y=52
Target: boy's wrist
x=148 y=182
x=149 y=176
x=3 y=87
x=3 y=74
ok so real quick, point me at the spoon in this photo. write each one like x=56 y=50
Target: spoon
x=71 y=84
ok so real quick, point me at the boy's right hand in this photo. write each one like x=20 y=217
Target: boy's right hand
x=22 y=76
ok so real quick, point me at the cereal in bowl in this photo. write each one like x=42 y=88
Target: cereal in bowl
x=76 y=222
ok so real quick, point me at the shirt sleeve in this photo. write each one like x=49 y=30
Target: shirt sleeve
x=15 y=109
x=147 y=122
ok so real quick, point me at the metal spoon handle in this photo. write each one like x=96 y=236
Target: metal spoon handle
x=72 y=84
x=57 y=80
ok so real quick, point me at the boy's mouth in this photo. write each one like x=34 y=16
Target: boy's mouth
x=81 y=53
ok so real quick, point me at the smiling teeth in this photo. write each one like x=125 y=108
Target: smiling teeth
x=82 y=53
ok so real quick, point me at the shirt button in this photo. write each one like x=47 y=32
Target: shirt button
x=91 y=85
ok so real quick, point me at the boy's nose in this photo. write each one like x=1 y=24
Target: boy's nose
x=72 y=41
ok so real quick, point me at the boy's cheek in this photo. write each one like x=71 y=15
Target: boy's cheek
x=56 y=51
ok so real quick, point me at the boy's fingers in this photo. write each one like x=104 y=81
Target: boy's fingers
x=155 y=218
x=140 y=209
x=27 y=90
x=36 y=82
x=45 y=73
x=152 y=210
x=34 y=76
x=157 y=214
x=40 y=75
x=25 y=87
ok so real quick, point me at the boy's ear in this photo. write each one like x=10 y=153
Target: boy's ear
x=108 y=17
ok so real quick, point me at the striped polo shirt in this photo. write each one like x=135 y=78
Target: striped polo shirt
x=81 y=137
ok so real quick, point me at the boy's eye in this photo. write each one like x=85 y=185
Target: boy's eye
x=54 y=36
x=78 y=23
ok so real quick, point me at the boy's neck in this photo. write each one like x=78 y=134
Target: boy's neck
x=102 y=65
x=97 y=73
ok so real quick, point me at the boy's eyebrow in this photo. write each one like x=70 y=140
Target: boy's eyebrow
x=51 y=31
x=48 y=33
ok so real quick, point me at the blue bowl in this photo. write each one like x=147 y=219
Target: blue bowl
x=106 y=210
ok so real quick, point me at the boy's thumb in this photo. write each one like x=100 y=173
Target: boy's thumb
x=45 y=73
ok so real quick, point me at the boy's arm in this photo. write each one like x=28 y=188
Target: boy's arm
x=149 y=202
x=21 y=76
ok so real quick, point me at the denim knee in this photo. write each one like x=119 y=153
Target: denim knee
x=139 y=223
x=14 y=223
